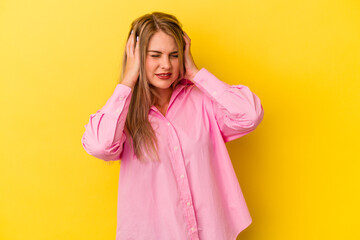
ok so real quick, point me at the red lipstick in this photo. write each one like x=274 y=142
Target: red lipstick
x=164 y=76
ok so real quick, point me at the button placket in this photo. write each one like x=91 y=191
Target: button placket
x=178 y=165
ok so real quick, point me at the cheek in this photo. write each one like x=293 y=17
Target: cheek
x=175 y=63
x=149 y=65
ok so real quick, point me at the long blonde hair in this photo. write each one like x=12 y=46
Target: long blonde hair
x=137 y=124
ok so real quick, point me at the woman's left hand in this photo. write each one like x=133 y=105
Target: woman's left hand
x=190 y=67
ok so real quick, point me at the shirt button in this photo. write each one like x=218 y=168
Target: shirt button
x=121 y=98
x=182 y=175
x=168 y=124
x=214 y=92
x=175 y=148
x=193 y=229
x=117 y=110
x=188 y=203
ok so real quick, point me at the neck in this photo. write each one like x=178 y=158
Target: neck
x=165 y=95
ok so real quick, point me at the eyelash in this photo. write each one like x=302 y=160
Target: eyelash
x=159 y=56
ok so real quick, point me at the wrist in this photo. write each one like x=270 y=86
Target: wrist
x=194 y=74
x=128 y=82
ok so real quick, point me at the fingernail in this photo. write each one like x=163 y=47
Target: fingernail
x=132 y=31
x=137 y=38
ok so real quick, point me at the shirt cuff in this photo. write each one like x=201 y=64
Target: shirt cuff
x=116 y=103
x=210 y=84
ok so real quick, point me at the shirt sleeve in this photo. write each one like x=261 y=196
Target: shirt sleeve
x=237 y=110
x=104 y=134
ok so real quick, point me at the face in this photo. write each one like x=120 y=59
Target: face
x=162 y=58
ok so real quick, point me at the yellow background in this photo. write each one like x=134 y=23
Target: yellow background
x=299 y=170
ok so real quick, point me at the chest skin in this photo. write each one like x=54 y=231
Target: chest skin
x=163 y=109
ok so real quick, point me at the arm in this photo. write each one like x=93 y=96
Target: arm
x=237 y=110
x=104 y=133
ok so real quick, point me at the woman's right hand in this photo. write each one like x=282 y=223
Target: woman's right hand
x=132 y=68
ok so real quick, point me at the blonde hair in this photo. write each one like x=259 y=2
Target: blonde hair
x=137 y=124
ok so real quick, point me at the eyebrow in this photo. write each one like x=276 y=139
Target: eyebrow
x=161 y=52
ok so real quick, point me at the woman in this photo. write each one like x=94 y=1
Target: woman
x=168 y=122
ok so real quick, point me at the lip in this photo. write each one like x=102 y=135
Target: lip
x=163 y=73
x=164 y=77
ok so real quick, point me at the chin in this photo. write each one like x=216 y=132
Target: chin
x=162 y=84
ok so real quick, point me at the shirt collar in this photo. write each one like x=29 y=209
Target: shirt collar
x=181 y=85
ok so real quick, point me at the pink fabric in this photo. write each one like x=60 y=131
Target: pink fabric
x=193 y=193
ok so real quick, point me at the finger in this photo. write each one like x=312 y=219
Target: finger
x=187 y=40
x=128 y=44
x=136 y=50
x=132 y=43
x=187 y=44
x=187 y=37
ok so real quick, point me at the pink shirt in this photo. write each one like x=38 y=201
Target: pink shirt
x=193 y=193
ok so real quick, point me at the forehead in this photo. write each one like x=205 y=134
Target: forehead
x=162 y=42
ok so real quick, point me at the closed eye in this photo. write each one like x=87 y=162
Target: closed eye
x=175 y=56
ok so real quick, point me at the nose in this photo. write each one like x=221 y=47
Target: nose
x=165 y=62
